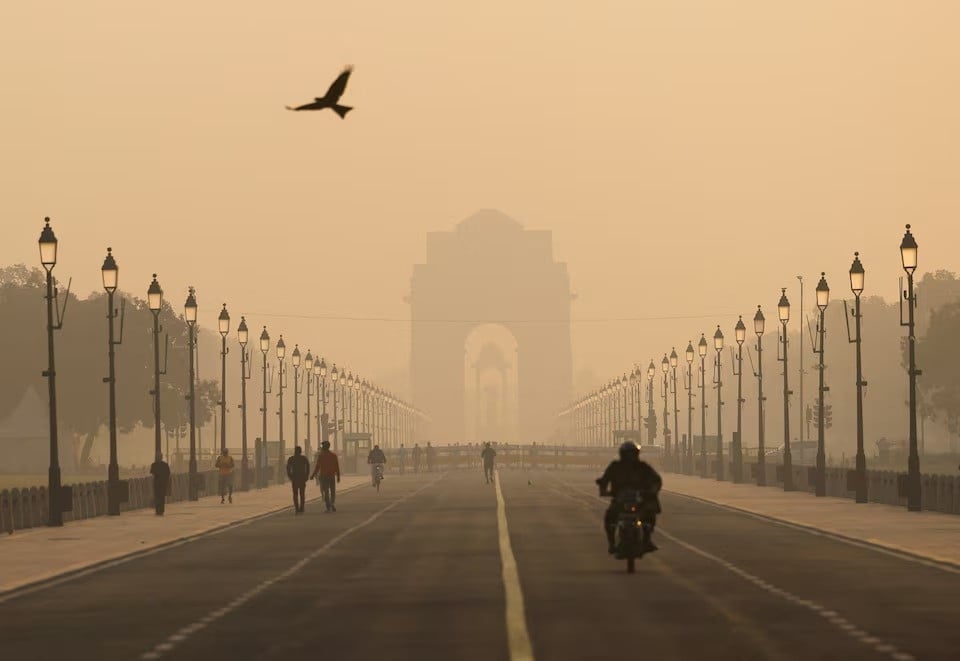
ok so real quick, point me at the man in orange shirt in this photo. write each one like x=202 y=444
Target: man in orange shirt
x=224 y=465
x=328 y=466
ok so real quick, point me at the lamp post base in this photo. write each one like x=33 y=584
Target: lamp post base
x=55 y=514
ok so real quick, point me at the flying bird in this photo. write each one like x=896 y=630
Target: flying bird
x=331 y=98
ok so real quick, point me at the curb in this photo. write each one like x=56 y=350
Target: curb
x=64 y=577
x=938 y=563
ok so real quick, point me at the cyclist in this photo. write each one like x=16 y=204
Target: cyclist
x=376 y=459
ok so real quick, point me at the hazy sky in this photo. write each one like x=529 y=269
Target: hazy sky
x=690 y=157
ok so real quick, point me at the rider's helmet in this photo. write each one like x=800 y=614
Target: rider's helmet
x=629 y=451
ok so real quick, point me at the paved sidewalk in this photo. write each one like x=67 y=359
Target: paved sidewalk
x=929 y=535
x=40 y=554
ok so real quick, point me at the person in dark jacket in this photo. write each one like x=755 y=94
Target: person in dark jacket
x=416 y=457
x=161 y=483
x=487 y=455
x=631 y=473
x=298 y=470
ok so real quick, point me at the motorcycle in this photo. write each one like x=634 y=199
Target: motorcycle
x=631 y=531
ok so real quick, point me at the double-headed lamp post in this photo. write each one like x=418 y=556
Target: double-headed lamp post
x=243 y=336
x=223 y=323
x=261 y=460
x=702 y=351
x=823 y=299
x=783 y=311
x=856 y=286
x=759 y=325
x=908 y=257
x=688 y=450
x=110 y=273
x=718 y=347
x=740 y=334
x=155 y=303
x=190 y=316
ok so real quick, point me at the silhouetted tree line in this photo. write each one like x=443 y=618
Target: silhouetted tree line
x=81 y=355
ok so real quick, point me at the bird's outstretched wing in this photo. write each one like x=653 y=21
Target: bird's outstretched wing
x=339 y=85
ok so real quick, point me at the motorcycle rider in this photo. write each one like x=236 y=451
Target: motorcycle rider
x=630 y=473
x=376 y=458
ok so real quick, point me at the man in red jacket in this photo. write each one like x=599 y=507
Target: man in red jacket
x=328 y=468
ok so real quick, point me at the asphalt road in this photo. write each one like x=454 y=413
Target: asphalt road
x=415 y=572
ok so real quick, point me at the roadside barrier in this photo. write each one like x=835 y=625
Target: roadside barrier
x=28 y=507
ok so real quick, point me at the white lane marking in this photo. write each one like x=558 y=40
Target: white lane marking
x=518 y=638
x=871 y=546
x=830 y=616
x=136 y=555
x=185 y=632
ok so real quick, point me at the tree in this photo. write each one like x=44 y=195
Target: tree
x=939 y=386
x=81 y=355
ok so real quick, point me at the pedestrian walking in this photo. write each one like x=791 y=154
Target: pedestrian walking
x=161 y=483
x=328 y=468
x=487 y=456
x=401 y=458
x=416 y=457
x=431 y=457
x=224 y=465
x=298 y=470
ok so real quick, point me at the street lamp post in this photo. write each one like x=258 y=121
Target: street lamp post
x=702 y=351
x=783 y=311
x=281 y=383
x=718 y=346
x=348 y=397
x=48 y=258
x=295 y=359
x=688 y=450
x=740 y=334
x=110 y=273
x=334 y=377
x=759 y=324
x=261 y=461
x=651 y=415
x=677 y=454
x=190 y=316
x=358 y=415
x=320 y=370
x=155 y=302
x=823 y=298
x=243 y=336
x=665 y=367
x=223 y=322
x=908 y=256
x=308 y=376
x=856 y=286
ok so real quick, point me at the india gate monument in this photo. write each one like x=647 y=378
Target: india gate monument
x=490 y=314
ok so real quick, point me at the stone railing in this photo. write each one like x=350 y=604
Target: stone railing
x=940 y=493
